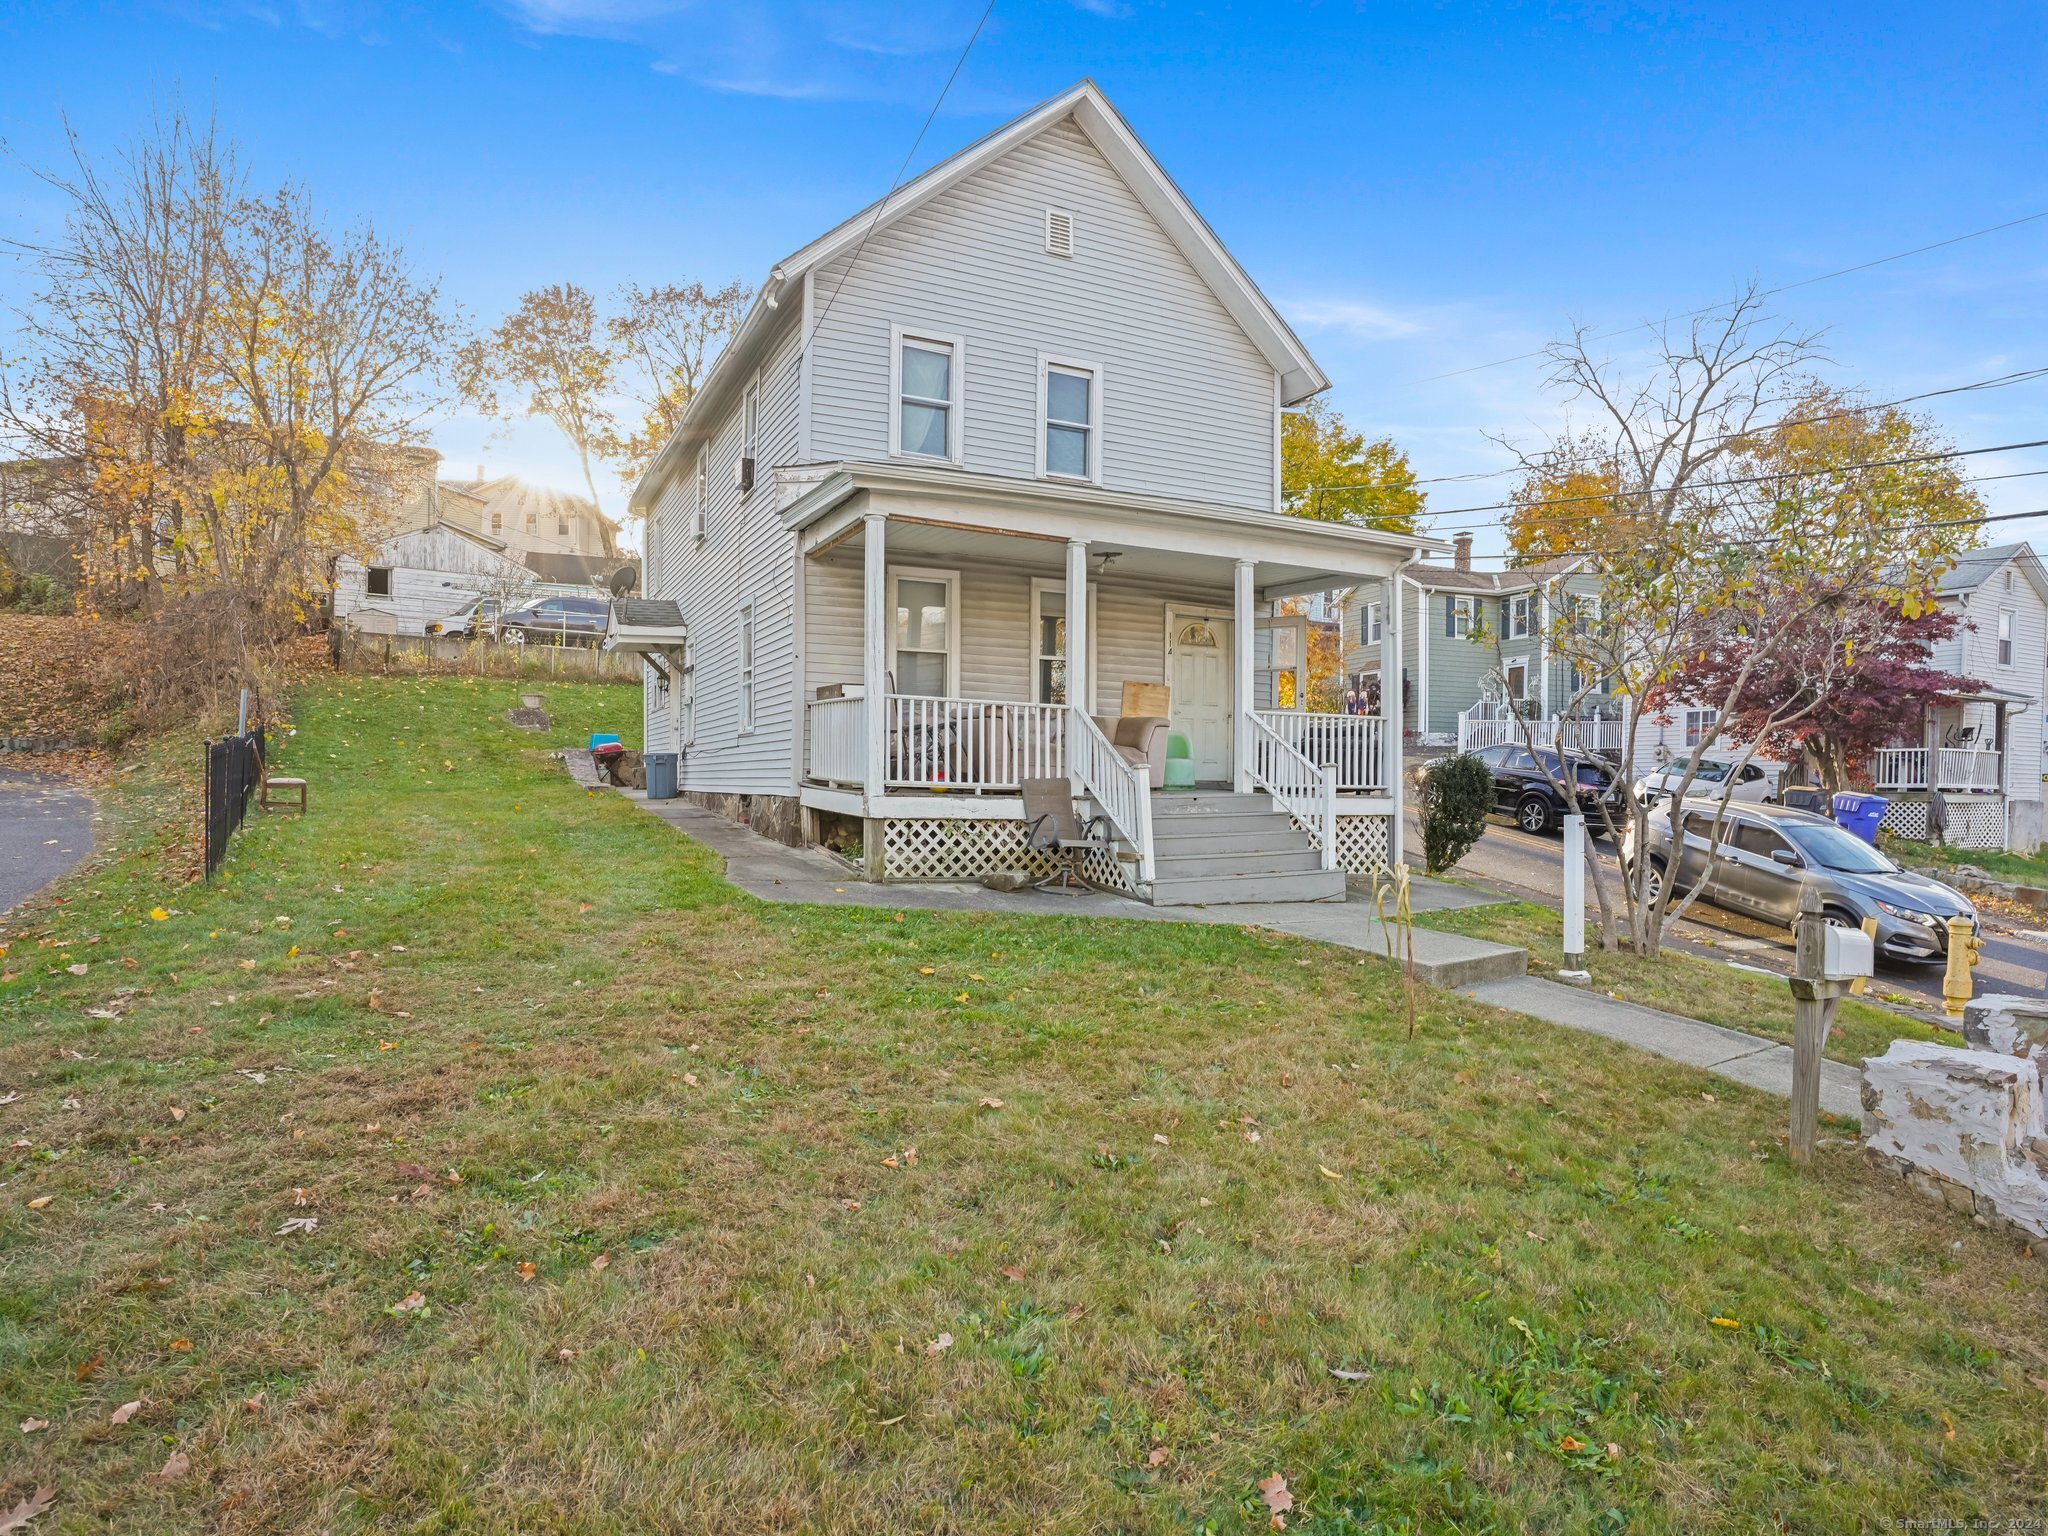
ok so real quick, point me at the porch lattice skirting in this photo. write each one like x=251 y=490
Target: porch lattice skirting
x=1973 y=821
x=1361 y=842
x=918 y=849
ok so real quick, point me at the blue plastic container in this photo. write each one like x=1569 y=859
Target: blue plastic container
x=599 y=739
x=1860 y=814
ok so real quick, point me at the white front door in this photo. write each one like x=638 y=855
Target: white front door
x=1198 y=665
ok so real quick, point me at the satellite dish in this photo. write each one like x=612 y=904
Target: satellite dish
x=623 y=580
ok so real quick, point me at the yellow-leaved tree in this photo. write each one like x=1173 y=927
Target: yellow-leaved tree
x=1329 y=472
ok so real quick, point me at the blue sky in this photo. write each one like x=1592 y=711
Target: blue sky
x=1419 y=187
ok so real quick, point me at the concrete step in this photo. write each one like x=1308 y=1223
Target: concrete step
x=1205 y=802
x=1271 y=834
x=1211 y=890
x=1267 y=861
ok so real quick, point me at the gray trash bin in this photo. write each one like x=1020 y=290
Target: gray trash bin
x=661 y=775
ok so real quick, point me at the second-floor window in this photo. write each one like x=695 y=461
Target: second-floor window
x=1459 y=613
x=750 y=429
x=700 y=507
x=1072 y=414
x=2005 y=637
x=927 y=422
x=1372 y=626
x=561 y=525
x=1518 y=617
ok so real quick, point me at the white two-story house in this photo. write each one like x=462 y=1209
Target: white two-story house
x=1982 y=752
x=986 y=489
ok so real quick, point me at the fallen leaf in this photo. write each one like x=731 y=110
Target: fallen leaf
x=1012 y=1272
x=690 y=1078
x=175 y=1468
x=927 y=970
x=939 y=1345
x=601 y=1262
x=885 y=1423
x=86 y=1369
x=30 y=1426
x=1350 y=1375
x=991 y=1102
x=849 y=1205
x=910 y=1157
x=526 y=1269
x=40 y=1201
x=1274 y=1495
x=1327 y=1173
x=31 y=1505
x=253 y=1404
x=1571 y=1443
x=1613 y=1451
x=298 y=1224
x=1535 y=1237
x=960 y=997
x=1948 y=1427
x=1724 y=1322
x=177 y=1114
x=1161 y=1140
x=892 y=1161
x=181 y=1346
x=78 y=970
x=1158 y=1457
x=127 y=1411
x=412 y=1303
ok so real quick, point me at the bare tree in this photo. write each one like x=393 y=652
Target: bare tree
x=1706 y=543
x=551 y=356
x=666 y=339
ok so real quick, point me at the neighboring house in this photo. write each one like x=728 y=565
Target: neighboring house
x=449 y=541
x=1986 y=748
x=1017 y=428
x=39 y=523
x=1475 y=651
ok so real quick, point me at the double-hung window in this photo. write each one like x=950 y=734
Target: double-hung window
x=927 y=420
x=1070 y=395
x=1372 y=625
x=2005 y=637
x=750 y=436
x=925 y=638
x=1699 y=724
x=1518 y=617
x=746 y=667
x=1459 y=612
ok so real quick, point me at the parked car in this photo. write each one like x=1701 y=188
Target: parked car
x=558 y=621
x=1768 y=854
x=478 y=616
x=1752 y=784
x=1525 y=787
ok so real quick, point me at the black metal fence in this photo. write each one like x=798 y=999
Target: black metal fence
x=234 y=772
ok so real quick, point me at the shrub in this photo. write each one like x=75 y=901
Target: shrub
x=1456 y=793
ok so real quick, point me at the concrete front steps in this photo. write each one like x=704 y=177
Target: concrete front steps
x=1212 y=846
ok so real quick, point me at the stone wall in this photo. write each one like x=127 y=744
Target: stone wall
x=773 y=816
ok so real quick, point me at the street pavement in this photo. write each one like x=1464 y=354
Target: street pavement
x=2014 y=958
x=45 y=828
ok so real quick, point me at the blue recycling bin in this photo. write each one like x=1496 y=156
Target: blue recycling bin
x=1860 y=814
x=661 y=775
x=602 y=739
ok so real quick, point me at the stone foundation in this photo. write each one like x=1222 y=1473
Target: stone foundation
x=1963 y=1127
x=779 y=817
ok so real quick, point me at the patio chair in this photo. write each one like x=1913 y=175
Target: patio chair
x=1052 y=825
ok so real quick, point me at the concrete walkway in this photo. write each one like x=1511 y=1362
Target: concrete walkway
x=1490 y=973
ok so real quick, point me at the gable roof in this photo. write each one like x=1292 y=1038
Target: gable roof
x=1519 y=578
x=1105 y=128
x=1978 y=566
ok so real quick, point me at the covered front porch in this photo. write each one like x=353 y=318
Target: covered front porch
x=1956 y=775
x=955 y=647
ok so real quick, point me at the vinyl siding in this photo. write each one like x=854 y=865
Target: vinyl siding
x=1187 y=400
x=1973 y=651
x=746 y=556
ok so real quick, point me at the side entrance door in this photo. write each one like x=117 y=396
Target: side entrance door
x=1198 y=659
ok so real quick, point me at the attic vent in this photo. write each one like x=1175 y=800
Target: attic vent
x=1059 y=232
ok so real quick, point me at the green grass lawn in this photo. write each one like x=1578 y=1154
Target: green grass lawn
x=1686 y=984
x=2020 y=868
x=644 y=1206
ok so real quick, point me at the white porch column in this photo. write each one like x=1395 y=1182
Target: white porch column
x=1078 y=638
x=1390 y=713
x=1421 y=661
x=1543 y=649
x=1242 y=624
x=875 y=648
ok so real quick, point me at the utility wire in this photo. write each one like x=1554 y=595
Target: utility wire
x=1804 y=282
x=881 y=207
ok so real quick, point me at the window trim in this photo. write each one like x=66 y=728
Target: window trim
x=750 y=430
x=746 y=655
x=895 y=574
x=1372 y=624
x=1461 y=607
x=1521 y=609
x=1696 y=734
x=1047 y=361
x=370 y=575
x=700 y=511
x=2005 y=636
x=955 y=411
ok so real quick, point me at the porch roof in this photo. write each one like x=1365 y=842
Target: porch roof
x=643 y=625
x=1176 y=537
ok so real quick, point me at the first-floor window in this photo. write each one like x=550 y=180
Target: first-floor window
x=1049 y=627
x=1699 y=724
x=746 y=667
x=379 y=581
x=926 y=631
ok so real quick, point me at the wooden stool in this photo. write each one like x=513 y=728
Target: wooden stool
x=285 y=802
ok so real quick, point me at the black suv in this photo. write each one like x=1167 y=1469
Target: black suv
x=1525 y=788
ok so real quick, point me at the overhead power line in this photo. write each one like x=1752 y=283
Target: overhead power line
x=882 y=206
x=1804 y=282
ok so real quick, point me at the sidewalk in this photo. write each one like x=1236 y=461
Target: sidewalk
x=1490 y=973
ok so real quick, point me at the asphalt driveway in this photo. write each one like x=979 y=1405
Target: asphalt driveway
x=45 y=828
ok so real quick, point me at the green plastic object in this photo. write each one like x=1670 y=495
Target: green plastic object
x=1180 y=772
x=1177 y=746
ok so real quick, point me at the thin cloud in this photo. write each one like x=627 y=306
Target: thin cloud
x=1354 y=318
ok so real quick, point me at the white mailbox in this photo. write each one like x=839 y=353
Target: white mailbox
x=1845 y=954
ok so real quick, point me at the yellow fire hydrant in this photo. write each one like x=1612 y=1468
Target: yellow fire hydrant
x=1963 y=944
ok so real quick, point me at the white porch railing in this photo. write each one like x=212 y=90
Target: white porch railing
x=1960 y=768
x=1305 y=791
x=1123 y=792
x=976 y=745
x=1349 y=744
x=838 y=740
x=1478 y=730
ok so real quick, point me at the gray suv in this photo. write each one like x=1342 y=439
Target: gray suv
x=1769 y=853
